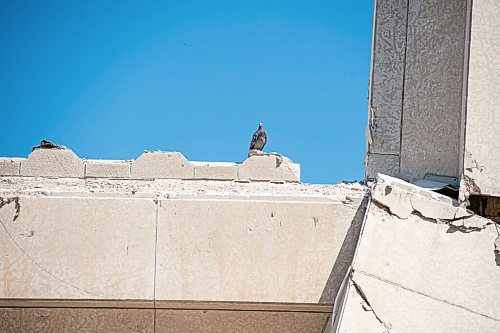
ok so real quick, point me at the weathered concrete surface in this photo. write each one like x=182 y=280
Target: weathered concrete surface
x=386 y=307
x=482 y=143
x=212 y=240
x=52 y=163
x=107 y=169
x=63 y=163
x=432 y=106
x=249 y=250
x=272 y=167
x=158 y=164
x=215 y=170
x=10 y=166
x=380 y=163
x=22 y=320
x=75 y=247
x=423 y=263
x=387 y=73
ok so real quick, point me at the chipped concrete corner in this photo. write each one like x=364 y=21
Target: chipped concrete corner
x=423 y=263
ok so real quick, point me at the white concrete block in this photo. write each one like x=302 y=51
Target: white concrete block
x=250 y=250
x=107 y=169
x=159 y=164
x=215 y=170
x=10 y=166
x=77 y=248
x=52 y=163
x=269 y=167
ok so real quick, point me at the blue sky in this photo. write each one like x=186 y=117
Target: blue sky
x=110 y=79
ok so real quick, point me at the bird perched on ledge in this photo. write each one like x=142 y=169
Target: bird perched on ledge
x=259 y=139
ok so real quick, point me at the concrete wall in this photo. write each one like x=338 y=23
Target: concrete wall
x=86 y=246
x=482 y=142
x=415 y=104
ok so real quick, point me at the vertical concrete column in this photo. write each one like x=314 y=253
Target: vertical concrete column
x=433 y=88
x=386 y=87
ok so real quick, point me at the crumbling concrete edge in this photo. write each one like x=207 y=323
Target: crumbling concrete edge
x=341 y=298
x=452 y=217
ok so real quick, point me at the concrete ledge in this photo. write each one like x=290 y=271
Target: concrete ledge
x=63 y=163
x=10 y=166
x=52 y=163
x=215 y=170
x=269 y=167
x=159 y=164
x=107 y=169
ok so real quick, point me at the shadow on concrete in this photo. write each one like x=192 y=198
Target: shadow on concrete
x=346 y=254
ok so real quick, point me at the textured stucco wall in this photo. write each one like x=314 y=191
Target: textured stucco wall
x=482 y=141
x=432 y=109
x=416 y=88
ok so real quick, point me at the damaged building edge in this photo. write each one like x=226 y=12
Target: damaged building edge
x=431 y=207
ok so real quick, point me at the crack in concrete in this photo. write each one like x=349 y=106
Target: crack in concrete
x=6 y=201
x=41 y=267
x=361 y=293
x=425 y=295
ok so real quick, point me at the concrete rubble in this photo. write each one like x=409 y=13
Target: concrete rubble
x=423 y=263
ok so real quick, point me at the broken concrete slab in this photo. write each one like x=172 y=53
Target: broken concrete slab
x=421 y=257
x=52 y=163
x=374 y=305
x=404 y=199
x=215 y=170
x=160 y=164
x=269 y=167
x=107 y=169
x=10 y=166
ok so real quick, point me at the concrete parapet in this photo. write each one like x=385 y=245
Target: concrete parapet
x=63 y=163
x=215 y=170
x=10 y=166
x=52 y=163
x=159 y=164
x=107 y=169
x=269 y=167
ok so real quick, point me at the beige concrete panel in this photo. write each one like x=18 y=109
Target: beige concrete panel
x=483 y=99
x=55 y=247
x=378 y=163
x=257 y=251
x=375 y=305
x=161 y=164
x=198 y=321
x=21 y=320
x=433 y=88
x=52 y=163
x=107 y=169
x=386 y=88
x=215 y=170
x=10 y=166
x=435 y=259
x=269 y=167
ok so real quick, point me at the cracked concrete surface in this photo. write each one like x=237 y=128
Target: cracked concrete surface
x=412 y=269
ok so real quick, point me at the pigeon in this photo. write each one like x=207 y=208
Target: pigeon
x=259 y=139
x=45 y=144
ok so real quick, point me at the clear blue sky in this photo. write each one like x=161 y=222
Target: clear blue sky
x=110 y=79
